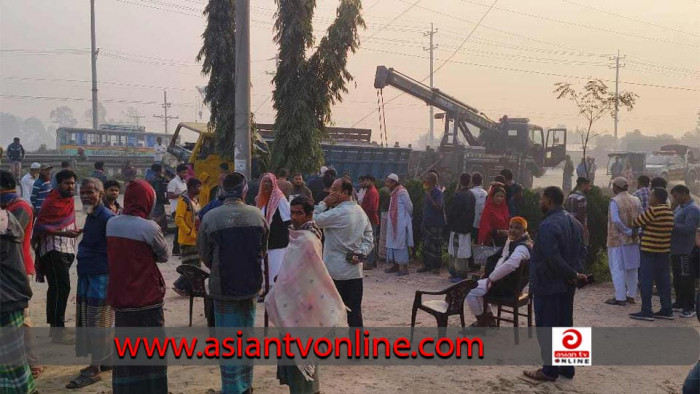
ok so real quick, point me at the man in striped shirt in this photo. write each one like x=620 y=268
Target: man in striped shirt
x=657 y=222
x=42 y=187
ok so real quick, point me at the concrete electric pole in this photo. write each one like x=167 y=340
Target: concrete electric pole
x=165 y=115
x=93 y=59
x=617 y=83
x=242 y=154
x=432 y=47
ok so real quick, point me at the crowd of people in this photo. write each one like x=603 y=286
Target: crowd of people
x=266 y=248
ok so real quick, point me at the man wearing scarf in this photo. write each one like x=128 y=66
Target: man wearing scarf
x=55 y=232
x=23 y=212
x=304 y=294
x=92 y=310
x=275 y=208
x=15 y=294
x=136 y=287
x=399 y=227
x=499 y=279
x=232 y=243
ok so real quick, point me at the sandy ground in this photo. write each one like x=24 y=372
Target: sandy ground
x=387 y=303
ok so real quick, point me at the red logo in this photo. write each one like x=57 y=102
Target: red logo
x=573 y=340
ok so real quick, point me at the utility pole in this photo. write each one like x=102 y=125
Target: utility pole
x=93 y=59
x=242 y=153
x=617 y=83
x=431 y=33
x=165 y=115
x=136 y=118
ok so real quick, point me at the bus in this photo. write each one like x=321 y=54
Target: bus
x=108 y=141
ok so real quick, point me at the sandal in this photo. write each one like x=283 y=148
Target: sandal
x=37 y=371
x=85 y=378
x=539 y=376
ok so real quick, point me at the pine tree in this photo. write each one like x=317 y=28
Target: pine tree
x=307 y=87
x=219 y=62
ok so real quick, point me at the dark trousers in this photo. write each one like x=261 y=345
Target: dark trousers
x=56 y=265
x=553 y=310
x=655 y=267
x=373 y=256
x=351 y=292
x=683 y=281
x=176 y=244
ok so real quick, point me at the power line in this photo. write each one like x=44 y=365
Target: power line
x=125 y=84
x=402 y=13
x=116 y=101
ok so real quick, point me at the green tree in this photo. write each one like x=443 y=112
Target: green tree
x=218 y=57
x=594 y=101
x=306 y=87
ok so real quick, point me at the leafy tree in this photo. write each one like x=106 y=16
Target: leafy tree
x=306 y=87
x=101 y=114
x=63 y=117
x=218 y=57
x=594 y=101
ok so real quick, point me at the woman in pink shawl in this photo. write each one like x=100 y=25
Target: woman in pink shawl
x=275 y=208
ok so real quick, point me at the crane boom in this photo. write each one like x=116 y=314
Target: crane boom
x=454 y=109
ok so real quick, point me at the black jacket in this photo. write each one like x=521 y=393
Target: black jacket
x=460 y=216
x=14 y=285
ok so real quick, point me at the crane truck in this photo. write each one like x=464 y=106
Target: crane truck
x=485 y=146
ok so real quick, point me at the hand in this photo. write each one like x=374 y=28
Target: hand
x=355 y=260
x=72 y=233
x=503 y=233
x=489 y=284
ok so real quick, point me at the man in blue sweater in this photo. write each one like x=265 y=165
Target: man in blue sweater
x=555 y=265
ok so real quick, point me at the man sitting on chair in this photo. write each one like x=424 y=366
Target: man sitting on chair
x=499 y=279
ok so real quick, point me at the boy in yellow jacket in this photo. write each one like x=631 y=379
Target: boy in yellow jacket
x=187 y=222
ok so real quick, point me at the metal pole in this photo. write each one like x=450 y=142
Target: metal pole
x=165 y=107
x=242 y=154
x=93 y=59
x=431 y=33
x=617 y=82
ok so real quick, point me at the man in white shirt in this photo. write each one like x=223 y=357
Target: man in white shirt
x=27 y=182
x=480 y=196
x=348 y=238
x=500 y=281
x=176 y=187
x=159 y=150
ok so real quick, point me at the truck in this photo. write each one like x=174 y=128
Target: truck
x=676 y=162
x=472 y=142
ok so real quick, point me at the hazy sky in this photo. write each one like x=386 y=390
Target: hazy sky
x=508 y=66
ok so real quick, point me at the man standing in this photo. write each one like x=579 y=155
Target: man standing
x=15 y=153
x=28 y=180
x=159 y=151
x=514 y=193
x=616 y=168
x=315 y=183
x=460 y=218
x=592 y=167
x=55 y=231
x=480 y=199
x=136 y=287
x=92 y=310
x=23 y=212
x=555 y=265
x=42 y=188
x=686 y=219
x=370 y=204
x=657 y=222
x=187 y=223
x=299 y=188
x=577 y=205
x=232 y=244
x=111 y=196
x=643 y=190
x=568 y=174
x=176 y=187
x=15 y=294
x=582 y=167
x=623 y=243
x=283 y=183
x=99 y=172
x=348 y=238
x=160 y=185
x=432 y=225
x=399 y=226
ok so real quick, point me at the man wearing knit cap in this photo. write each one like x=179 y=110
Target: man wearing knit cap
x=623 y=243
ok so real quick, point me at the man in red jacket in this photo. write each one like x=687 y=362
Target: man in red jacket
x=370 y=204
x=136 y=287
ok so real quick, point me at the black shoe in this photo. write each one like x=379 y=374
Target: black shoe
x=676 y=307
x=664 y=315
x=613 y=301
x=422 y=269
x=646 y=316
